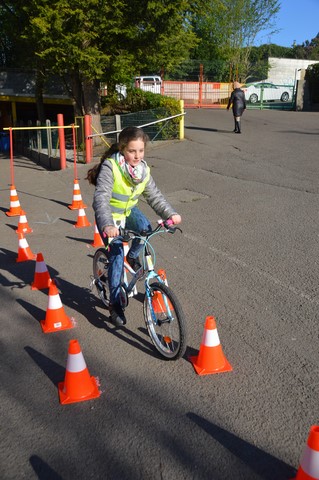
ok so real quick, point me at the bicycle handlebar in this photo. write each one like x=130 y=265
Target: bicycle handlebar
x=126 y=234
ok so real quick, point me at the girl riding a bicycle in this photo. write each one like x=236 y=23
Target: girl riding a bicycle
x=120 y=178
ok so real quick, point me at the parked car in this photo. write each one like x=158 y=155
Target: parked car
x=148 y=83
x=268 y=91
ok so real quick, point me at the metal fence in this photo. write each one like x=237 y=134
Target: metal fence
x=166 y=130
x=259 y=95
x=198 y=94
x=42 y=145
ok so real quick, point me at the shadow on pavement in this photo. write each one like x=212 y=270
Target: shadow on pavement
x=262 y=463
x=42 y=469
x=204 y=129
x=52 y=370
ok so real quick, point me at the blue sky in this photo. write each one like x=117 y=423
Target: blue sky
x=297 y=20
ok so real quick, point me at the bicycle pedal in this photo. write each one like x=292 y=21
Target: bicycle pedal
x=99 y=286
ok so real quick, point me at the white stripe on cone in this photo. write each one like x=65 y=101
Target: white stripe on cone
x=40 y=267
x=211 y=338
x=77 y=198
x=23 y=243
x=15 y=203
x=310 y=462
x=54 y=302
x=75 y=363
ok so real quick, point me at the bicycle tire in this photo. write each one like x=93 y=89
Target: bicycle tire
x=100 y=274
x=168 y=335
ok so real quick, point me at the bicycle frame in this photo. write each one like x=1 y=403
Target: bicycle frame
x=148 y=265
x=147 y=269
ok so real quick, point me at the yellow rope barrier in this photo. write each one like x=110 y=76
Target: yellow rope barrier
x=106 y=143
x=40 y=128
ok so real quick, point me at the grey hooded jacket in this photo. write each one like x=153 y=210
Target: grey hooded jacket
x=103 y=193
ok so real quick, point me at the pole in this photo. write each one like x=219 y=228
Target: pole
x=200 y=85
x=182 y=122
x=74 y=152
x=88 y=138
x=61 y=141
x=49 y=138
x=11 y=156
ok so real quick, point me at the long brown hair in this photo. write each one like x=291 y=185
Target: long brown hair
x=127 y=135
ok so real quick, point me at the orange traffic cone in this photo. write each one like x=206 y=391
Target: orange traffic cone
x=211 y=358
x=23 y=226
x=78 y=386
x=162 y=274
x=82 y=220
x=15 y=207
x=77 y=201
x=97 y=241
x=24 y=251
x=42 y=277
x=309 y=462
x=55 y=319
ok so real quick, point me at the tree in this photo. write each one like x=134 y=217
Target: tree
x=229 y=29
x=307 y=50
x=17 y=50
x=94 y=40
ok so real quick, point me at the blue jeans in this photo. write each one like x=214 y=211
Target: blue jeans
x=135 y=221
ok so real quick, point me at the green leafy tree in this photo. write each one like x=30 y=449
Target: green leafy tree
x=228 y=31
x=94 y=40
x=13 y=49
x=308 y=50
x=17 y=51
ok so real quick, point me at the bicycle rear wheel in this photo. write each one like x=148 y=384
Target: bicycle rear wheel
x=100 y=274
x=165 y=321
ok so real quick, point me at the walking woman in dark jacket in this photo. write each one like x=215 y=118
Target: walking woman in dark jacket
x=238 y=102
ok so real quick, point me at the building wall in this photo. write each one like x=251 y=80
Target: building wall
x=285 y=71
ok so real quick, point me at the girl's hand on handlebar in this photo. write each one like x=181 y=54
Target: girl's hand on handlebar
x=111 y=231
x=176 y=219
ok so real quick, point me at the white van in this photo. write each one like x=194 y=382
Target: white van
x=148 y=83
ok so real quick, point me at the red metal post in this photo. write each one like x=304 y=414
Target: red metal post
x=74 y=152
x=61 y=141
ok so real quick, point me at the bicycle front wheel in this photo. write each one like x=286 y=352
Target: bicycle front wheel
x=165 y=321
x=100 y=274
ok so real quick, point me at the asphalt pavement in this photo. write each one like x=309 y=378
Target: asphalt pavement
x=248 y=256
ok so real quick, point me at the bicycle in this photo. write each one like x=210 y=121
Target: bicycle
x=163 y=314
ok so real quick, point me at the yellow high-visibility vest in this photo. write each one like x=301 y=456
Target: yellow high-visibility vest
x=124 y=195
